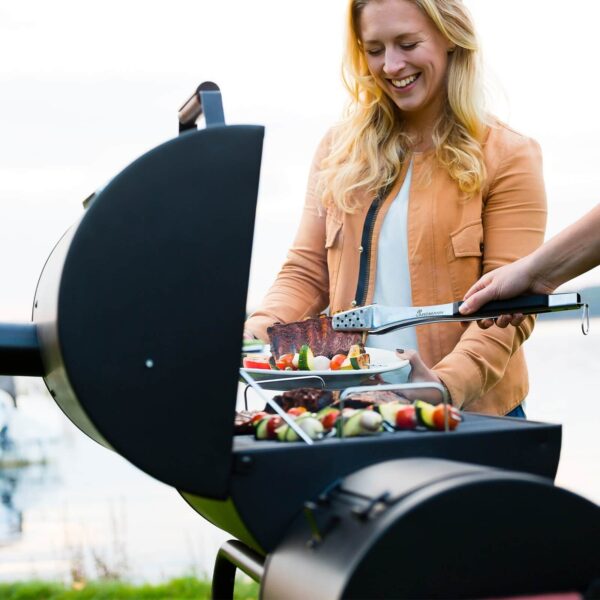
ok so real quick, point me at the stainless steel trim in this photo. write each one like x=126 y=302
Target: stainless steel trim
x=585 y=319
x=379 y=319
x=190 y=111
x=244 y=558
x=562 y=300
x=316 y=378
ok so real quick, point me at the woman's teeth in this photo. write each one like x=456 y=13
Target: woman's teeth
x=402 y=83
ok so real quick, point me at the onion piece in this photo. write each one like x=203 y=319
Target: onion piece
x=321 y=363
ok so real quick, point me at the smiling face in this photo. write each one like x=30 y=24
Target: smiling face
x=407 y=56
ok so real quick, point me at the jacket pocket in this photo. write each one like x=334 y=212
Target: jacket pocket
x=468 y=240
x=332 y=232
x=464 y=253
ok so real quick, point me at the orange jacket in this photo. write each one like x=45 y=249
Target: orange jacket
x=451 y=242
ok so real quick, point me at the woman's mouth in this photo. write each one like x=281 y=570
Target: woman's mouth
x=405 y=83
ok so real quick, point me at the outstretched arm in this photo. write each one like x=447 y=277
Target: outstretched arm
x=572 y=252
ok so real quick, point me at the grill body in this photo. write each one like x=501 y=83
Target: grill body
x=430 y=528
x=136 y=330
x=270 y=481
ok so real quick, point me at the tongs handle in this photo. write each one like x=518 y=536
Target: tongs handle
x=377 y=320
x=526 y=305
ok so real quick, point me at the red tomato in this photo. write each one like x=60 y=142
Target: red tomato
x=258 y=417
x=274 y=422
x=296 y=410
x=285 y=361
x=406 y=417
x=336 y=362
x=256 y=362
x=329 y=419
x=454 y=417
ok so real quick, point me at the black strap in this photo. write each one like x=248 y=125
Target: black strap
x=366 y=242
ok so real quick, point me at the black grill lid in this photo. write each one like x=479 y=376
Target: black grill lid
x=140 y=308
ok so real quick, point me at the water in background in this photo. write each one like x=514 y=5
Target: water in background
x=90 y=513
x=564 y=373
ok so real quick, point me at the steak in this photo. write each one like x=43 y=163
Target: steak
x=370 y=399
x=313 y=399
x=318 y=333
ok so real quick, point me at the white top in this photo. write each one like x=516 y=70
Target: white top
x=392 y=279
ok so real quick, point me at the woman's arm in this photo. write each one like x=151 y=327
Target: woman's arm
x=514 y=219
x=570 y=253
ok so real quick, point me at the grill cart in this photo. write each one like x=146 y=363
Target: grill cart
x=157 y=266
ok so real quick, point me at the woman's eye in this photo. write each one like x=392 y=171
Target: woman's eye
x=374 y=51
x=411 y=46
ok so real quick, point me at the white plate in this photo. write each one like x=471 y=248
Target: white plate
x=386 y=367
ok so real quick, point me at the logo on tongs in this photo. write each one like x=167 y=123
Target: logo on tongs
x=428 y=313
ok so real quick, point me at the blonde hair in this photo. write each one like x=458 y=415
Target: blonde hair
x=370 y=146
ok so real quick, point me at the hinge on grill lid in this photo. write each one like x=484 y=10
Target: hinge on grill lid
x=88 y=201
x=373 y=507
x=318 y=530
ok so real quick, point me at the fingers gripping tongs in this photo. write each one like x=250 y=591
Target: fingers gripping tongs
x=377 y=319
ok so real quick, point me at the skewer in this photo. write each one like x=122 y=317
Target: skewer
x=388 y=387
x=291 y=422
x=320 y=380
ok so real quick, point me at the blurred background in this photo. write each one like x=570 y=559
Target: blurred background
x=86 y=88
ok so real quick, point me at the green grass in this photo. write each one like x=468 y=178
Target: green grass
x=177 y=589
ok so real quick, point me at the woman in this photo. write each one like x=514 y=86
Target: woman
x=415 y=194
x=570 y=253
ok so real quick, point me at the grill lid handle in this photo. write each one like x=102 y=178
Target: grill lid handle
x=205 y=100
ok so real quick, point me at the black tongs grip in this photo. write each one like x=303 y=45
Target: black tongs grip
x=526 y=305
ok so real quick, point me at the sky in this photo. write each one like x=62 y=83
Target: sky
x=86 y=88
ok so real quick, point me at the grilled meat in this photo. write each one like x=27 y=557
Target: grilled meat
x=242 y=424
x=318 y=333
x=370 y=399
x=313 y=399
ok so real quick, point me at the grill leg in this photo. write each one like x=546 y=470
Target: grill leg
x=223 y=579
x=232 y=555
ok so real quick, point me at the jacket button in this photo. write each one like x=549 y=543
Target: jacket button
x=353 y=303
x=360 y=248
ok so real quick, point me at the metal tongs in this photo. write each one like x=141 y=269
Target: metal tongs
x=377 y=319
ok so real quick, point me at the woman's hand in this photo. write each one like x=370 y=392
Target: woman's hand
x=572 y=252
x=502 y=283
x=420 y=373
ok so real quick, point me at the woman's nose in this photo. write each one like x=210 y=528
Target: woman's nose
x=394 y=62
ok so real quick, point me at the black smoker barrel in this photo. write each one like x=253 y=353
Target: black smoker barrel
x=431 y=528
x=139 y=309
x=136 y=329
